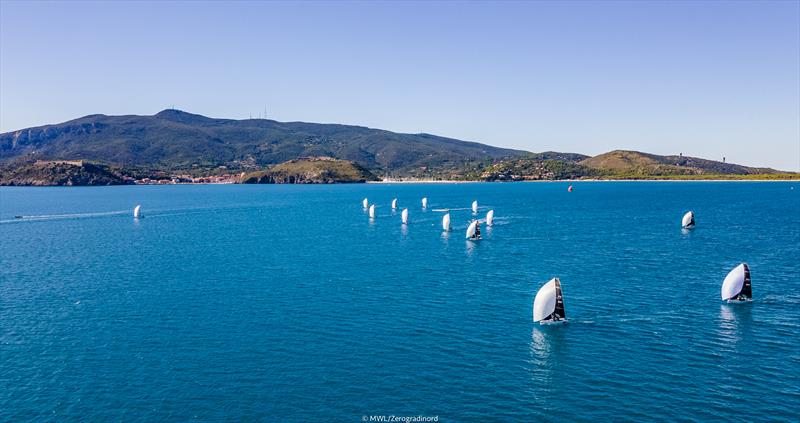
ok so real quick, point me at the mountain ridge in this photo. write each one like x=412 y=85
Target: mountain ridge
x=175 y=141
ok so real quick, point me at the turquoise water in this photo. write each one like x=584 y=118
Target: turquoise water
x=286 y=303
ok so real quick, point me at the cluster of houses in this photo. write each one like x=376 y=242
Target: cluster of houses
x=226 y=178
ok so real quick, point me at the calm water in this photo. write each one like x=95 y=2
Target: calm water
x=287 y=303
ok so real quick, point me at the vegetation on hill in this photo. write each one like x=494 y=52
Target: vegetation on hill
x=315 y=170
x=544 y=166
x=175 y=143
x=176 y=140
x=634 y=164
x=62 y=173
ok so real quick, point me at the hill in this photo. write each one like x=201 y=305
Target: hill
x=312 y=170
x=534 y=169
x=62 y=173
x=623 y=163
x=175 y=140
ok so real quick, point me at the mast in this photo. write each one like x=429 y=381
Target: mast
x=747 y=290
x=558 y=313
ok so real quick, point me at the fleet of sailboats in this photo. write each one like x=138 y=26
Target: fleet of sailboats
x=548 y=304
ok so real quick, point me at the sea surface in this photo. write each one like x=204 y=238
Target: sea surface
x=287 y=303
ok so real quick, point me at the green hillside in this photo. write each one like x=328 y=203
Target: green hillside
x=61 y=173
x=624 y=163
x=174 y=142
x=173 y=139
x=316 y=170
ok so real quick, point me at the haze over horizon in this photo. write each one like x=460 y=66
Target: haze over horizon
x=706 y=79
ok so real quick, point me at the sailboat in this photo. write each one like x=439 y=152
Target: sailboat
x=446 y=222
x=365 y=203
x=372 y=211
x=424 y=202
x=137 y=212
x=474 y=230
x=688 y=220
x=490 y=218
x=548 y=305
x=404 y=216
x=736 y=286
x=475 y=206
x=394 y=204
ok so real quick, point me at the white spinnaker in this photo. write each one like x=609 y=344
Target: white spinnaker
x=471 y=229
x=446 y=222
x=424 y=202
x=365 y=203
x=404 y=216
x=137 y=211
x=475 y=206
x=372 y=211
x=688 y=219
x=490 y=218
x=733 y=283
x=394 y=203
x=544 y=304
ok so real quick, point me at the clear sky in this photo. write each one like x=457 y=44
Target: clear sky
x=708 y=79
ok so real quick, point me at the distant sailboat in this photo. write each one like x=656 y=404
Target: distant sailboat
x=474 y=230
x=548 y=305
x=404 y=216
x=475 y=206
x=394 y=204
x=365 y=203
x=424 y=202
x=688 y=220
x=490 y=218
x=736 y=286
x=372 y=211
x=137 y=212
x=446 y=222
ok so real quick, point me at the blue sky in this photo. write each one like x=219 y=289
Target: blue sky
x=708 y=79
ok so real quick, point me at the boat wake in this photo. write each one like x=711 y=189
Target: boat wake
x=45 y=217
x=779 y=299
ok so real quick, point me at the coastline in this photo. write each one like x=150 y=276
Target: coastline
x=432 y=182
x=580 y=180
